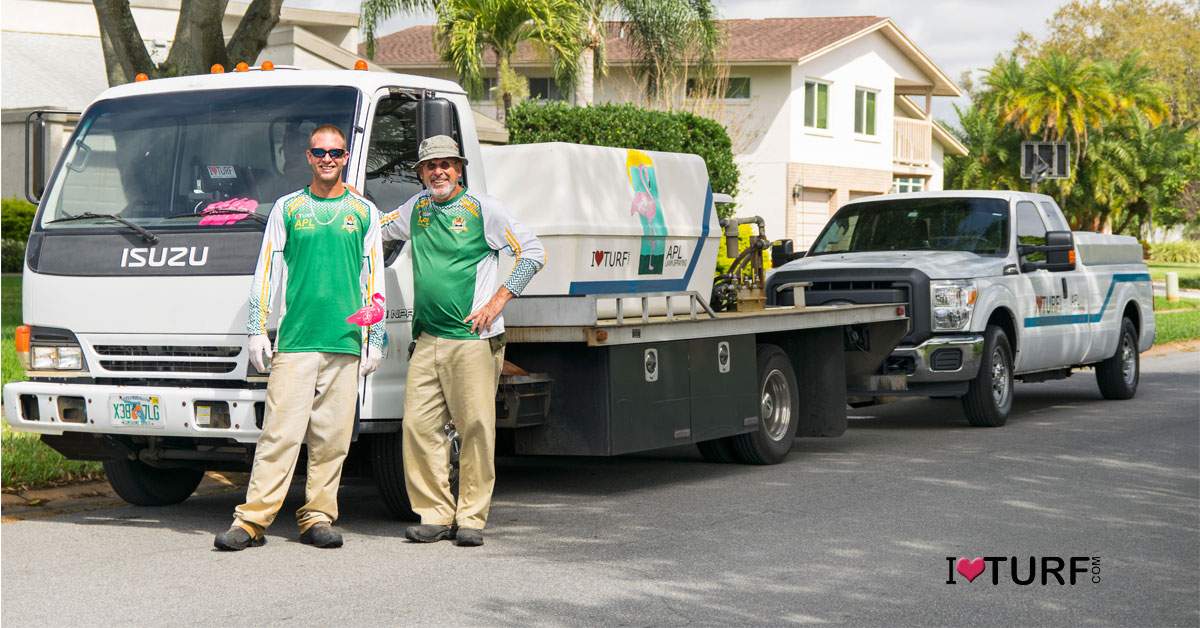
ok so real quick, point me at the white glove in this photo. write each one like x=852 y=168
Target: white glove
x=260 y=351
x=370 y=363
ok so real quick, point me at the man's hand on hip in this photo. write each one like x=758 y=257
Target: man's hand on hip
x=481 y=320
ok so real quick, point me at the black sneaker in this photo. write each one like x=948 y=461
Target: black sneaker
x=468 y=537
x=321 y=535
x=428 y=533
x=236 y=539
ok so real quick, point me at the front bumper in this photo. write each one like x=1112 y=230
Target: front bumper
x=178 y=410
x=923 y=366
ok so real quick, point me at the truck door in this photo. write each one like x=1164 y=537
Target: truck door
x=1054 y=321
x=389 y=181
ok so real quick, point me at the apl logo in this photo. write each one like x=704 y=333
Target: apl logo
x=160 y=256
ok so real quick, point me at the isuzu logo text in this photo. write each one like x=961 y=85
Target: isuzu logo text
x=159 y=256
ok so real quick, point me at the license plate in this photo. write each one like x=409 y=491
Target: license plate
x=136 y=410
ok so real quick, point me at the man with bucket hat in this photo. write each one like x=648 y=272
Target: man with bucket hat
x=455 y=236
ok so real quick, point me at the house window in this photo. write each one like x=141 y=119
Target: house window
x=864 y=111
x=908 y=184
x=545 y=89
x=816 y=105
x=736 y=88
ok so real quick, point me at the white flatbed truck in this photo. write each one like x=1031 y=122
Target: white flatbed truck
x=135 y=297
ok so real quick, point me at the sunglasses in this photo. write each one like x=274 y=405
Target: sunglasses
x=319 y=153
x=435 y=165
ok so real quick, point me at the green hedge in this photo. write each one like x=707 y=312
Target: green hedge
x=626 y=126
x=16 y=218
x=1184 y=251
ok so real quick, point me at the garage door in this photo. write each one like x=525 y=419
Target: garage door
x=812 y=212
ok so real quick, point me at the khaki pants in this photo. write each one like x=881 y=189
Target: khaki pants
x=451 y=380
x=310 y=399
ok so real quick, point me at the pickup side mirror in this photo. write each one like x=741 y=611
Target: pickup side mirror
x=782 y=253
x=1059 y=250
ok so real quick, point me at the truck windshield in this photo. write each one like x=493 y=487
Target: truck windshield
x=191 y=160
x=977 y=225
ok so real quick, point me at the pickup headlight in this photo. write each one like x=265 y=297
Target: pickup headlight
x=952 y=303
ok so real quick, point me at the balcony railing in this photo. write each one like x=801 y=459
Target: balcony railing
x=914 y=142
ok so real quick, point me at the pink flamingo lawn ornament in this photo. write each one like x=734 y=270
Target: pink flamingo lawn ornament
x=368 y=315
x=643 y=202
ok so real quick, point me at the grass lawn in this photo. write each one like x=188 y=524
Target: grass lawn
x=27 y=463
x=1161 y=304
x=1189 y=274
x=1177 y=326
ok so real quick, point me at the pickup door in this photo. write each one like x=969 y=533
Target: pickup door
x=1055 y=330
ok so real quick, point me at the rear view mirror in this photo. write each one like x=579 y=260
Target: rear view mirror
x=437 y=118
x=1059 y=250
x=35 y=156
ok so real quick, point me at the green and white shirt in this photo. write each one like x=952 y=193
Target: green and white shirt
x=328 y=253
x=455 y=259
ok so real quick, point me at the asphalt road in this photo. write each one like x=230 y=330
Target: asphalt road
x=850 y=530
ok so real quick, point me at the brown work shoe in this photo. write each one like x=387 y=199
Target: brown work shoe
x=236 y=539
x=426 y=533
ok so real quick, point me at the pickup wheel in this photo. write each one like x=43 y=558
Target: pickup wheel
x=719 y=450
x=143 y=485
x=779 y=415
x=1118 y=375
x=387 y=465
x=989 y=396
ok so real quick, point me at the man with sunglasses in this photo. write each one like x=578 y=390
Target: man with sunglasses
x=328 y=240
x=455 y=236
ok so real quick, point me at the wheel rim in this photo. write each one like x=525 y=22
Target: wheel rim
x=1128 y=360
x=776 y=406
x=1000 y=382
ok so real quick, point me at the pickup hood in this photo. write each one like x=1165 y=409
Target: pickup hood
x=935 y=264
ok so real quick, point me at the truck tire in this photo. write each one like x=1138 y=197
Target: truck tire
x=719 y=450
x=1118 y=375
x=143 y=485
x=989 y=396
x=779 y=411
x=387 y=465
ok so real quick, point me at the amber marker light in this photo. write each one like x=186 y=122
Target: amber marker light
x=361 y=64
x=216 y=68
x=141 y=76
x=267 y=66
x=21 y=340
x=242 y=66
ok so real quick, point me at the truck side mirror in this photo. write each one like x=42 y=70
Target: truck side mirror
x=437 y=118
x=782 y=253
x=35 y=156
x=1059 y=250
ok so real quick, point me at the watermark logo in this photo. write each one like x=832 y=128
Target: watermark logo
x=1025 y=570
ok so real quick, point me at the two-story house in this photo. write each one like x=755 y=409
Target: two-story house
x=821 y=110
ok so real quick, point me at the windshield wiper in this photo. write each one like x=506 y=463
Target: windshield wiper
x=221 y=212
x=146 y=234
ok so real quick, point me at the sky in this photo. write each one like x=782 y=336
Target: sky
x=957 y=34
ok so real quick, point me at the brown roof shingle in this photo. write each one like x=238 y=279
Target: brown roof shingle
x=771 y=39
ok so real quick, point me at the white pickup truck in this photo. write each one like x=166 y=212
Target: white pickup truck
x=998 y=288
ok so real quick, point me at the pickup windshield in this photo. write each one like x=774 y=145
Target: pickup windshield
x=976 y=225
x=191 y=160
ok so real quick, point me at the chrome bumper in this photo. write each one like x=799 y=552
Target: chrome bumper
x=970 y=347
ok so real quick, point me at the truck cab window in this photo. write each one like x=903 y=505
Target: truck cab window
x=1031 y=229
x=392 y=158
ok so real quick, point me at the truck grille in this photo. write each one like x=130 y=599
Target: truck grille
x=167 y=366
x=168 y=351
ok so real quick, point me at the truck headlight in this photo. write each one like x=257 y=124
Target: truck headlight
x=56 y=359
x=952 y=303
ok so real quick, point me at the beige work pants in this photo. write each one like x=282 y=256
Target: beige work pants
x=310 y=399
x=451 y=380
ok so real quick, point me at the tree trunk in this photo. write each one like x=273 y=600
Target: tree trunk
x=585 y=89
x=125 y=53
x=251 y=35
x=199 y=41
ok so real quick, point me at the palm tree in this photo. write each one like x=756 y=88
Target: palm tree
x=1136 y=92
x=668 y=37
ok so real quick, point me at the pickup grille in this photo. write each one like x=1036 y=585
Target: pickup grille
x=860 y=286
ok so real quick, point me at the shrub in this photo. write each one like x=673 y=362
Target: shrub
x=16 y=218
x=626 y=126
x=1184 y=251
x=12 y=255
